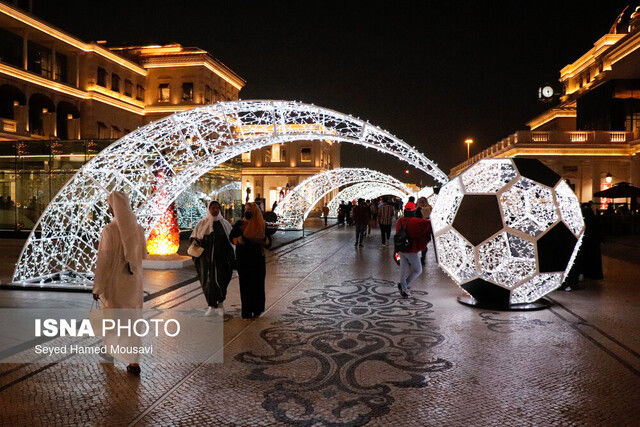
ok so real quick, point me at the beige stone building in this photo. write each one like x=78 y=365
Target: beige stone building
x=592 y=135
x=53 y=85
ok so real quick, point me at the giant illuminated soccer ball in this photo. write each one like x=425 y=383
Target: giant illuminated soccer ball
x=507 y=230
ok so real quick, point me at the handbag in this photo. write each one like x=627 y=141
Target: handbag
x=95 y=316
x=195 y=250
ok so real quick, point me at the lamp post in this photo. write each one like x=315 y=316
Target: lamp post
x=468 y=141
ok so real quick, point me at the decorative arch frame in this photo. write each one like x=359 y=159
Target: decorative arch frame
x=182 y=146
x=365 y=190
x=191 y=206
x=228 y=188
x=297 y=204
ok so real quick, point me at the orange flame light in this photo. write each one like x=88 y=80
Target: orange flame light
x=165 y=236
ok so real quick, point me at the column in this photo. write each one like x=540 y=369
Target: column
x=595 y=180
x=25 y=50
x=53 y=61
x=77 y=70
x=634 y=174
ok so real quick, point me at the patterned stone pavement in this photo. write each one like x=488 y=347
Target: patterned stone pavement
x=337 y=346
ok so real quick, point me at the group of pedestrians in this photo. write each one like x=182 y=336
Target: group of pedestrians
x=219 y=248
x=413 y=231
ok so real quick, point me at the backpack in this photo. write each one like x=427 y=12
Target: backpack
x=401 y=240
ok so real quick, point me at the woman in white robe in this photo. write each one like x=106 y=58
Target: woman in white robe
x=118 y=277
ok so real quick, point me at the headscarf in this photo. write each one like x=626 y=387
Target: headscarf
x=253 y=228
x=205 y=226
x=128 y=228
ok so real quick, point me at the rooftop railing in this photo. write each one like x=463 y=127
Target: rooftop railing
x=584 y=138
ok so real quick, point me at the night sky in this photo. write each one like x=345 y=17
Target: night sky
x=432 y=73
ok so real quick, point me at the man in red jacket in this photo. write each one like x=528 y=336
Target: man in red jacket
x=419 y=232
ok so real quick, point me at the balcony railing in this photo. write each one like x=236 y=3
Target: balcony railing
x=8 y=125
x=583 y=138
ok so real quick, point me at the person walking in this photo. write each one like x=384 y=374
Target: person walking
x=215 y=263
x=348 y=216
x=398 y=207
x=118 y=280
x=250 y=237
x=342 y=209
x=411 y=205
x=423 y=210
x=361 y=217
x=386 y=213
x=325 y=213
x=373 y=209
x=413 y=234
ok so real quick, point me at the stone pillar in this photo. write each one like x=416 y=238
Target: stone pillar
x=77 y=70
x=584 y=184
x=21 y=116
x=635 y=170
x=595 y=180
x=73 y=128
x=48 y=124
x=53 y=61
x=25 y=50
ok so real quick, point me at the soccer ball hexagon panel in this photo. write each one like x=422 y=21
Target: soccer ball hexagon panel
x=507 y=230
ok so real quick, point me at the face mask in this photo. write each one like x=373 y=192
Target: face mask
x=248 y=215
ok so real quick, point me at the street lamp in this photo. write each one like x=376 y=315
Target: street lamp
x=608 y=178
x=406 y=171
x=468 y=141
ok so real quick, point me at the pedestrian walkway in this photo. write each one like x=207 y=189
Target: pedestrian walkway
x=337 y=345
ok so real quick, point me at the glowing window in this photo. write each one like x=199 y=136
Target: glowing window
x=164 y=92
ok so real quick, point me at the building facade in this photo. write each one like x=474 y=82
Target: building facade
x=53 y=85
x=592 y=135
x=269 y=172
x=62 y=100
x=56 y=89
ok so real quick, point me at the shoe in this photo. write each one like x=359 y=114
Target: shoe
x=361 y=245
x=355 y=244
x=568 y=289
x=213 y=310
x=133 y=369
x=403 y=293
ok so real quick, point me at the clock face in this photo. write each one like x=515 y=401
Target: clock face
x=547 y=91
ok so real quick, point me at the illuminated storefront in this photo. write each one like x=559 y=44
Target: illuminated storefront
x=32 y=172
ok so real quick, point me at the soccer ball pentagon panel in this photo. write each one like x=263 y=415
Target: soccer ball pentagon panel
x=507 y=230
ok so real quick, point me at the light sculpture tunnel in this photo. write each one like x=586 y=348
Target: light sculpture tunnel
x=297 y=204
x=62 y=249
x=365 y=190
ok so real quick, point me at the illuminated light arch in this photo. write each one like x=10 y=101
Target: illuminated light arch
x=365 y=190
x=191 y=206
x=185 y=145
x=297 y=204
x=226 y=190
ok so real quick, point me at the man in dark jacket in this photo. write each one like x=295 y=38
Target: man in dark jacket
x=419 y=232
x=361 y=217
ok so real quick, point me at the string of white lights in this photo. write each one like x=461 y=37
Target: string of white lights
x=226 y=192
x=191 y=206
x=297 y=204
x=63 y=247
